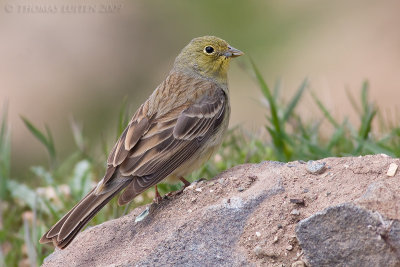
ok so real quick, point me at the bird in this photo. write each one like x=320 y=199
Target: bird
x=174 y=132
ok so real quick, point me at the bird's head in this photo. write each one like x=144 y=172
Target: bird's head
x=208 y=56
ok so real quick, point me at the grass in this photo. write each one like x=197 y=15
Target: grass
x=63 y=182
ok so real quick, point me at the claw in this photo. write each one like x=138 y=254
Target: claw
x=157 y=199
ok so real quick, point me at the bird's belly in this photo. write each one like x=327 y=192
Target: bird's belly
x=195 y=162
x=200 y=158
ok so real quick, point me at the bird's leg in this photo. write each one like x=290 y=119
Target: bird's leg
x=185 y=182
x=157 y=198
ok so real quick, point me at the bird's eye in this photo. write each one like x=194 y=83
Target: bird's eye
x=209 y=49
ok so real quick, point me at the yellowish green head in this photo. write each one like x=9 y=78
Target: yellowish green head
x=208 y=56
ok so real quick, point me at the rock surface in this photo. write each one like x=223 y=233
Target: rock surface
x=247 y=216
x=347 y=235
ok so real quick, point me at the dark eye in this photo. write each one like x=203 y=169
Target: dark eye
x=209 y=49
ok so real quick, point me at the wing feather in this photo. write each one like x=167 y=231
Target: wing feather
x=193 y=127
x=137 y=127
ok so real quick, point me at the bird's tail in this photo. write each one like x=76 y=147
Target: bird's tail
x=65 y=230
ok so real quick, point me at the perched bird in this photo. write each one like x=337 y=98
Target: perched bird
x=179 y=127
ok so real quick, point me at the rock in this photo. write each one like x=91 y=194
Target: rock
x=190 y=187
x=258 y=251
x=298 y=201
x=383 y=197
x=316 y=167
x=171 y=236
x=298 y=264
x=219 y=227
x=392 y=170
x=143 y=215
x=347 y=235
x=295 y=212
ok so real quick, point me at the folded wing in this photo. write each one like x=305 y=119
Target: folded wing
x=170 y=141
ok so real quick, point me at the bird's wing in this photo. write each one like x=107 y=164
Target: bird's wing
x=170 y=141
x=137 y=127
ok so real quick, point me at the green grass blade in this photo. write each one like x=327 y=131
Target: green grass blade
x=324 y=110
x=47 y=141
x=337 y=137
x=123 y=118
x=364 y=96
x=26 y=195
x=4 y=126
x=353 y=102
x=366 y=124
x=267 y=93
x=277 y=131
x=78 y=135
x=51 y=147
x=375 y=148
x=5 y=155
x=369 y=112
x=2 y=261
x=37 y=133
x=295 y=100
x=277 y=89
x=29 y=245
x=52 y=210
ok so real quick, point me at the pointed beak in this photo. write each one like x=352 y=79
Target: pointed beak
x=233 y=52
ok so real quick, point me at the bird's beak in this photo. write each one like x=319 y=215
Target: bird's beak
x=233 y=52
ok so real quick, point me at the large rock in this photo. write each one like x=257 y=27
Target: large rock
x=347 y=235
x=247 y=216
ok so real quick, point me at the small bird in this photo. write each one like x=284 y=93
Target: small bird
x=179 y=127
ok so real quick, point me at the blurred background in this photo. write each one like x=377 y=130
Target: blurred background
x=79 y=59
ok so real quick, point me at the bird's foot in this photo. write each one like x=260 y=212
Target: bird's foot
x=157 y=199
x=185 y=182
x=200 y=180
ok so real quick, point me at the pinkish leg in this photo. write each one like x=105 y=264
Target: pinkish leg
x=157 y=198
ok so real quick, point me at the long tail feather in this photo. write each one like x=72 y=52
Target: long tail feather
x=66 y=229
